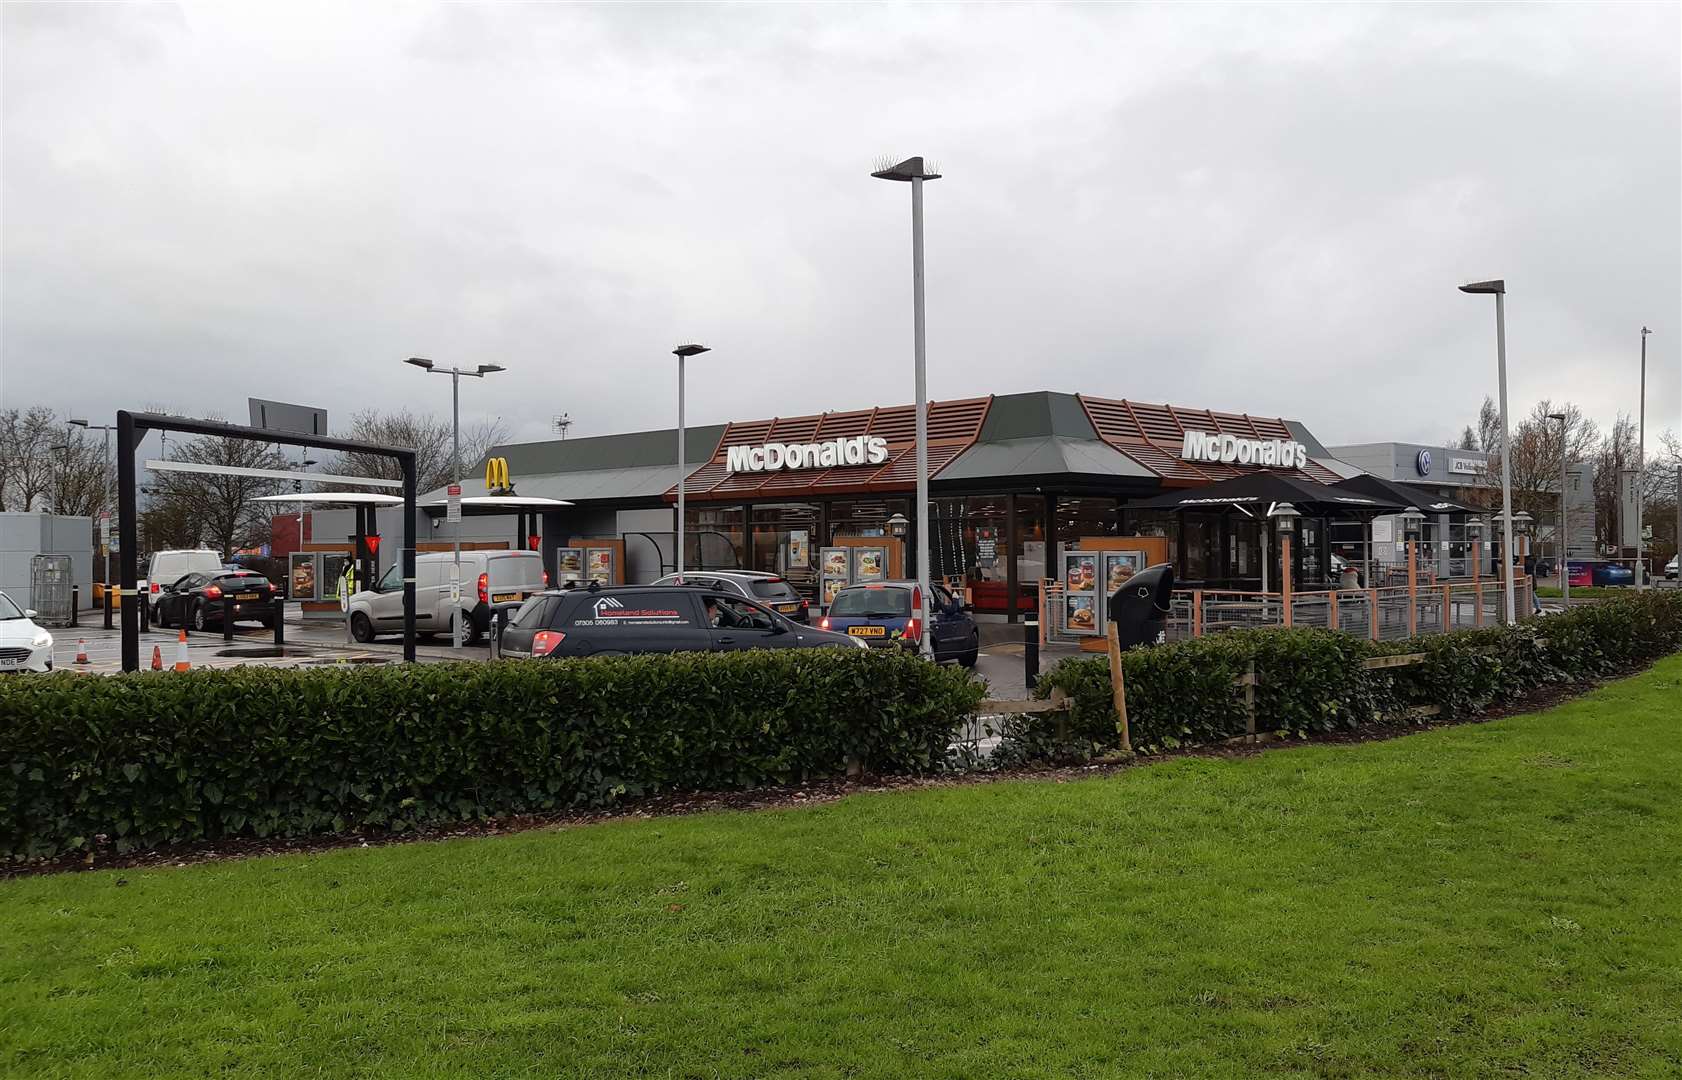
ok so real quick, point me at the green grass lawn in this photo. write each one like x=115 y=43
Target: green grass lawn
x=1488 y=900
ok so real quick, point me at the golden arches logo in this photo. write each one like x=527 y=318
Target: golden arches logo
x=496 y=474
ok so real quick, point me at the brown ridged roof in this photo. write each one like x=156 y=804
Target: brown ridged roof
x=1152 y=436
x=953 y=427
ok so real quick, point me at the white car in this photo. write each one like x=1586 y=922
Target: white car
x=23 y=645
x=1670 y=568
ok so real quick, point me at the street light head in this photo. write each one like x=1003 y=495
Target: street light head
x=420 y=362
x=1561 y=417
x=488 y=369
x=84 y=423
x=912 y=168
x=690 y=350
x=1644 y=333
x=1497 y=286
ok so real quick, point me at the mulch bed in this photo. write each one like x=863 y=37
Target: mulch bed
x=770 y=798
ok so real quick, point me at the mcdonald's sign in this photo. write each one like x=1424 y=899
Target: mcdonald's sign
x=496 y=476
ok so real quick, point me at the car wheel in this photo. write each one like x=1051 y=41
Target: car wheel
x=973 y=654
x=469 y=629
x=198 y=615
x=360 y=628
x=159 y=617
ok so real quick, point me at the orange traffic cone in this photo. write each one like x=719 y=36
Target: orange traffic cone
x=81 y=650
x=157 y=658
x=181 y=663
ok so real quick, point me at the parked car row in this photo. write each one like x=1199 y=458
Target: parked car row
x=24 y=646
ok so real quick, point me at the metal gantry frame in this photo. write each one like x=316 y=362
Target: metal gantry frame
x=132 y=427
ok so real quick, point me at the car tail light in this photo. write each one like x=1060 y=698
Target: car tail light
x=545 y=579
x=823 y=623
x=213 y=591
x=914 y=631
x=154 y=586
x=545 y=641
x=805 y=605
x=484 y=588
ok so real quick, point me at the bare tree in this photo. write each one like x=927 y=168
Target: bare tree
x=215 y=507
x=31 y=468
x=1468 y=439
x=427 y=435
x=84 y=481
x=1489 y=426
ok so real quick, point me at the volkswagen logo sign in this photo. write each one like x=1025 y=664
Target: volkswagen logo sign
x=1423 y=463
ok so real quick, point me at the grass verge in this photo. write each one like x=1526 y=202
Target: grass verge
x=1487 y=899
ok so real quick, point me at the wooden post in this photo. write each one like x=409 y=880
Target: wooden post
x=1477 y=582
x=1045 y=587
x=1332 y=622
x=1413 y=588
x=1250 y=701
x=1197 y=613
x=1448 y=608
x=1285 y=574
x=1118 y=685
x=1372 y=612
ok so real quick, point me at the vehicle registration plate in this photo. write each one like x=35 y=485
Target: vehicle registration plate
x=245 y=596
x=788 y=609
x=503 y=597
x=868 y=631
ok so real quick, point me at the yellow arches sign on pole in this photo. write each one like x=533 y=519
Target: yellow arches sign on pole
x=496 y=476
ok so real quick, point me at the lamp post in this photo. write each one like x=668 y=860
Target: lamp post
x=1564 y=536
x=1498 y=289
x=1285 y=517
x=684 y=352
x=105 y=480
x=1641 y=475
x=455 y=375
x=913 y=171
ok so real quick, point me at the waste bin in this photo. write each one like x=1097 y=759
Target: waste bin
x=1140 y=607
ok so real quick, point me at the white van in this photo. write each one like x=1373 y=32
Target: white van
x=168 y=567
x=489 y=580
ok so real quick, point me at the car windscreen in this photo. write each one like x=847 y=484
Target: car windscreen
x=868 y=603
x=8 y=609
x=778 y=589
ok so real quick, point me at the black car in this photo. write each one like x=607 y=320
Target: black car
x=198 y=600
x=624 y=620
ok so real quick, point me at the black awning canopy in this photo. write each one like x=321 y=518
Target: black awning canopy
x=1425 y=500
x=1256 y=493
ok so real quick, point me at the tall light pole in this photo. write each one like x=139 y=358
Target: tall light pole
x=684 y=352
x=1498 y=288
x=105 y=480
x=1641 y=474
x=913 y=171
x=1564 y=536
x=455 y=375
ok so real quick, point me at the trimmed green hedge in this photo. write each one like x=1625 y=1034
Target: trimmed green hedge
x=158 y=758
x=1312 y=681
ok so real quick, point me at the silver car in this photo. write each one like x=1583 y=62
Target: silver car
x=769 y=589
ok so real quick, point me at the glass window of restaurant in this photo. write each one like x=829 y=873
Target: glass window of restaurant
x=785 y=542
x=713 y=535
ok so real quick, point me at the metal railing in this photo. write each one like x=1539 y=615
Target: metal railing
x=1381 y=614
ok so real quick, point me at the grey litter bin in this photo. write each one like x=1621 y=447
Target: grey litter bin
x=1140 y=607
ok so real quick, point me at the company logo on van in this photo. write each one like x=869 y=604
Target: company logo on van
x=606 y=602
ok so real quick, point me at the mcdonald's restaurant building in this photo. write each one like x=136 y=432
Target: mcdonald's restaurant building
x=1015 y=481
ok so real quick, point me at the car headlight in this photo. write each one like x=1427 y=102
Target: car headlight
x=42 y=640
x=859 y=642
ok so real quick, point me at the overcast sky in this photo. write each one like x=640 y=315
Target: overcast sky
x=1261 y=208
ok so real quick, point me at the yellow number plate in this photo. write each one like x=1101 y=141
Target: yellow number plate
x=868 y=631
x=245 y=596
x=788 y=608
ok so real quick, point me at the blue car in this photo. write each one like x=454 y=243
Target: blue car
x=881 y=614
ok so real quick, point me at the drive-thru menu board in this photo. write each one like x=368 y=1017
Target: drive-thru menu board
x=1089 y=578
x=302 y=576
x=569 y=564
x=835 y=570
x=599 y=564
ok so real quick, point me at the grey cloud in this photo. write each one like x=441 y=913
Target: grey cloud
x=1249 y=208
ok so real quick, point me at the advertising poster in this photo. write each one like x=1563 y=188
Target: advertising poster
x=870 y=564
x=986 y=545
x=600 y=563
x=1080 y=572
x=835 y=563
x=1118 y=567
x=1079 y=614
x=303 y=576
x=569 y=564
x=799 y=549
x=331 y=575
x=832 y=586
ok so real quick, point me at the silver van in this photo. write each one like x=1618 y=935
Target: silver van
x=489 y=580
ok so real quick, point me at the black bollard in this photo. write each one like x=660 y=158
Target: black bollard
x=75 y=602
x=1030 y=653
x=279 y=620
x=227 y=617
x=108 y=606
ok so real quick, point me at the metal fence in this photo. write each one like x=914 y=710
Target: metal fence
x=1382 y=614
x=51 y=586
